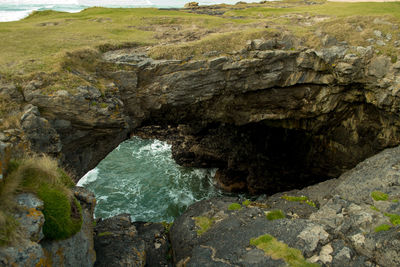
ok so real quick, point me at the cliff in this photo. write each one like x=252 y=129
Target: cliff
x=275 y=109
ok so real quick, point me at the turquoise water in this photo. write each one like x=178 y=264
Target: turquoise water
x=11 y=10
x=141 y=178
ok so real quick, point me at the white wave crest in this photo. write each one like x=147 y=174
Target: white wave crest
x=89 y=177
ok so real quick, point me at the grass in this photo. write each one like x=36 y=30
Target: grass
x=246 y=203
x=394 y=218
x=382 y=227
x=40 y=41
x=62 y=48
x=223 y=43
x=234 y=206
x=301 y=199
x=203 y=224
x=379 y=196
x=275 y=215
x=280 y=251
x=43 y=177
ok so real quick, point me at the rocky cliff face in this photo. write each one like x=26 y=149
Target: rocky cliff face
x=31 y=249
x=350 y=221
x=270 y=117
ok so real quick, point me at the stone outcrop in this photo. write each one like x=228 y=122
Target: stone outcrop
x=119 y=242
x=350 y=221
x=31 y=249
x=271 y=117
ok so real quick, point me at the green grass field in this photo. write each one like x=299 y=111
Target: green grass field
x=39 y=43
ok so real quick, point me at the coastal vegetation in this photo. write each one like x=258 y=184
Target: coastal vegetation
x=41 y=176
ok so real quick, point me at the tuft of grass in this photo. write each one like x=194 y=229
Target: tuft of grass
x=43 y=177
x=203 y=224
x=246 y=202
x=104 y=234
x=374 y=208
x=280 y=251
x=394 y=218
x=382 y=227
x=234 y=206
x=275 y=215
x=8 y=227
x=302 y=199
x=167 y=226
x=379 y=196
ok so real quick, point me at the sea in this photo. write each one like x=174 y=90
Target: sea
x=12 y=10
x=140 y=178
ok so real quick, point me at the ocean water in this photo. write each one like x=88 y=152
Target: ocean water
x=11 y=10
x=141 y=178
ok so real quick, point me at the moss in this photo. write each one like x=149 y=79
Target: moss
x=379 y=196
x=275 y=215
x=395 y=201
x=167 y=226
x=104 y=234
x=43 y=177
x=203 y=224
x=374 y=208
x=302 y=199
x=280 y=251
x=59 y=220
x=394 y=218
x=234 y=206
x=382 y=227
x=246 y=202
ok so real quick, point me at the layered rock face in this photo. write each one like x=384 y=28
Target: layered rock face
x=269 y=117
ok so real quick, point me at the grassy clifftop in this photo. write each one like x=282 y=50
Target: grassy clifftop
x=39 y=42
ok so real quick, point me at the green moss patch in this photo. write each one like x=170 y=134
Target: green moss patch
x=246 y=202
x=302 y=199
x=275 y=215
x=234 y=206
x=280 y=251
x=379 y=196
x=382 y=227
x=62 y=217
x=203 y=224
x=374 y=208
x=43 y=177
x=394 y=218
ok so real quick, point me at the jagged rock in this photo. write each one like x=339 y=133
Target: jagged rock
x=340 y=229
x=325 y=105
x=25 y=253
x=11 y=91
x=41 y=135
x=191 y=5
x=77 y=250
x=30 y=216
x=117 y=244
